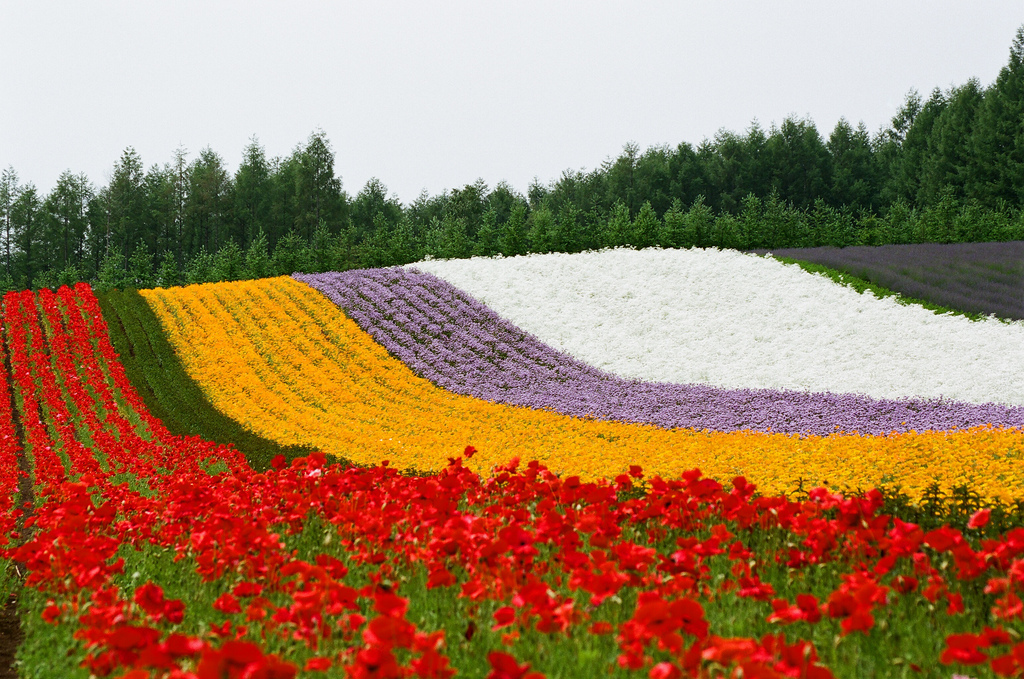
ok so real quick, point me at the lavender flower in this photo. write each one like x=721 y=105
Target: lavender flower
x=457 y=343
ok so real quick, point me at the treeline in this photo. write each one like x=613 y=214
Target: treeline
x=949 y=168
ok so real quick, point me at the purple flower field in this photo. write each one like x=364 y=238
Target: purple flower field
x=986 y=278
x=449 y=338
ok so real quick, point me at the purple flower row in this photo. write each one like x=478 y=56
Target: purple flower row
x=449 y=338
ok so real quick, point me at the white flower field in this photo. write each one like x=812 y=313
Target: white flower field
x=735 y=320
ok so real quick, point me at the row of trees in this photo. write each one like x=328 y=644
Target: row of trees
x=760 y=225
x=947 y=168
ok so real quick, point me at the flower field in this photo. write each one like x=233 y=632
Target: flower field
x=738 y=321
x=279 y=357
x=454 y=341
x=516 y=509
x=983 y=278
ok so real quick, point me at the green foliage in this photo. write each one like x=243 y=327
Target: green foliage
x=228 y=264
x=645 y=228
x=112 y=272
x=167 y=274
x=948 y=168
x=140 y=267
x=542 y=235
x=617 y=231
x=257 y=258
x=512 y=238
x=487 y=237
x=200 y=269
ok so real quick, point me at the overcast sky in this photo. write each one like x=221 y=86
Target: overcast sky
x=433 y=95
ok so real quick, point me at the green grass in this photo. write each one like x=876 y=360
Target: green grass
x=910 y=631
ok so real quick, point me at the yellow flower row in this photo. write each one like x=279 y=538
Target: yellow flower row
x=287 y=363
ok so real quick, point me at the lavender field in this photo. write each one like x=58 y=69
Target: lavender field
x=449 y=338
x=985 y=278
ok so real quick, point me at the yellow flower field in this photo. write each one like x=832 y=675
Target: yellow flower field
x=287 y=363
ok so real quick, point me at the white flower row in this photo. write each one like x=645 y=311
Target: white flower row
x=734 y=320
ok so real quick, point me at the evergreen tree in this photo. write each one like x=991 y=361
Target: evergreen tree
x=700 y=222
x=898 y=223
x=345 y=253
x=447 y=239
x=66 y=213
x=228 y=263
x=512 y=241
x=782 y=225
x=9 y=191
x=404 y=244
x=997 y=143
x=208 y=203
x=167 y=274
x=29 y=255
x=140 y=267
x=749 y=234
x=178 y=176
x=541 y=231
x=199 y=268
x=725 y=231
x=158 y=228
x=487 y=236
x=322 y=250
x=646 y=226
x=914 y=152
x=854 y=173
x=290 y=255
x=252 y=195
x=372 y=209
x=112 y=272
x=126 y=203
x=257 y=257
x=618 y=227
x=621 y=178
x=672 y=233
x=468 y=204
x=569 y=233
x=801 y=165
x=946 y=164
x=318 y=195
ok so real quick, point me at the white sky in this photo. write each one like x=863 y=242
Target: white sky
x=432 y=95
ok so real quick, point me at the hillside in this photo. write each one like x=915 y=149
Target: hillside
x=425 y=485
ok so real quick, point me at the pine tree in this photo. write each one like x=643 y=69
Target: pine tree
x=318 y=196
x=228 y=263
x=487 y=235
x=199 y=269
x=257 y=257
x=644 y=232
x=541 y=230
x=997 y=143
x=126 y=202
x=167 y=274
x=672 y=233
x=618 y=227
x=9 y=191
x=512 y=240
x=252 y=194
x=140 y=266
x=29 y=255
